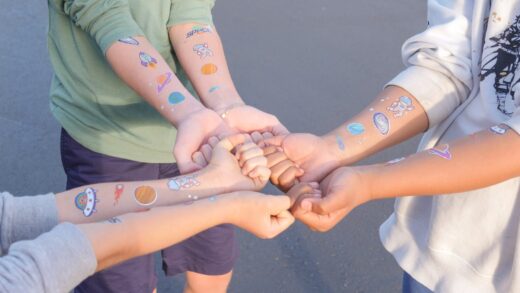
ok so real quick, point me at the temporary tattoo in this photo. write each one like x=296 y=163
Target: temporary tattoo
x=184 y=182
x=214 y=88
x=209 y=68
x=176 y=98
x=371 y=109
x=86 y=201
x=198 y=30
x=114 y=220
x=212 y=198
x=145 y=195
x=498 y=129
x=395 y=161
x=356 y=128
x=401 y=106
x=339 y=141
x=162 y=80
x=130 y=41
x=118 y=192
x=441 y=151
x=191 y=199
x=381 y=122
x=203 y=50
x=147 y=60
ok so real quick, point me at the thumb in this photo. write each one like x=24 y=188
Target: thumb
x=281 y=222
x=330 y=203
x=275 y=140
x=230 y=142
x=185 y=147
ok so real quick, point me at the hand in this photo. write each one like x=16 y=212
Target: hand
x=302 y=210
x=192 y=132
x=265 y=216
x=245 y=170
x=344 y=190
x=294 y=155
x=244 y=118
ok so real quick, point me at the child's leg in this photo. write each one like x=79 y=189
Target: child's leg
x=410 y=285
x=207 y=258
x=84 y=167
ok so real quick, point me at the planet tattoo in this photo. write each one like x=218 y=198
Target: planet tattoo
x=176 y=98
x=145 y=195
x=381 y=123
x=162 y=80
x=356 y=128
x=209 y=68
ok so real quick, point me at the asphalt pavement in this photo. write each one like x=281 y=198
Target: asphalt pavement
x=313 y=63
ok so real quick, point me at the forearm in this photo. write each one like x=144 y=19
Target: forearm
x=105 y=200
x=394 y=116
x=143 y=69
x=476 y=161
x=201 y=54
x=137 y=234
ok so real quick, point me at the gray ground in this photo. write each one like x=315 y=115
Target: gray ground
x=311 y=62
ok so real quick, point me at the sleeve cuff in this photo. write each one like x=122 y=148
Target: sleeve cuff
x=29 y=217
x=63 y=256
x=115 y=26
x=187 y=11
x=434 y=91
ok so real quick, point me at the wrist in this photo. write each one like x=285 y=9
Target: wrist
x=193 y=106
x=340 y=147
x=223 y=98
x=230 y=203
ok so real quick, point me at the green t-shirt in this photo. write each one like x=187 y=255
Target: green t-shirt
x=89 y=100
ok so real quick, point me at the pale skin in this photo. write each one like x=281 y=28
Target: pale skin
x=476 y=161
x=216 y=89
x=143 y=69
x=162 y=226
x=224 y=174
x=262 y=215
x=316 y=156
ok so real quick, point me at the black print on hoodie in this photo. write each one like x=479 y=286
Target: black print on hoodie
x=503 y=60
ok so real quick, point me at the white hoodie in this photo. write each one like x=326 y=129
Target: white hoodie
x=465 y=71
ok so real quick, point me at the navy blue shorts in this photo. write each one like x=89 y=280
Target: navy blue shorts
x=212 y=252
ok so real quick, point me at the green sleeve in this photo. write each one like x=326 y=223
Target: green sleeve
x=105 y=20
x=186 y=11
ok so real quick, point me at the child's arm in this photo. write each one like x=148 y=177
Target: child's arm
x=224 y=174
x=60 y=259
x=138 y=234
x=201 y=53
x=394 y=116
x=476 y=161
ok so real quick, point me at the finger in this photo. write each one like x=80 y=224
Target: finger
x=323 y=205
x=206 y=151
x=275 y=158
x=288 y=178
x=198 y=158
x=230 y=142
x=267 y=135
x=262 y=173
x=185 y=146
x=250 y=154
x=276 y=140
x=278 y=203
x=279 y=169
x=213 y=141
x=280 y=130
x=297 y=190
x=271 y=149
x=251 y=164
x=281 y=222
x=257 y=137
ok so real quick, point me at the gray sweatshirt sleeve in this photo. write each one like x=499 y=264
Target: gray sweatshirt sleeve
x=55 y=261
x=25 y=217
